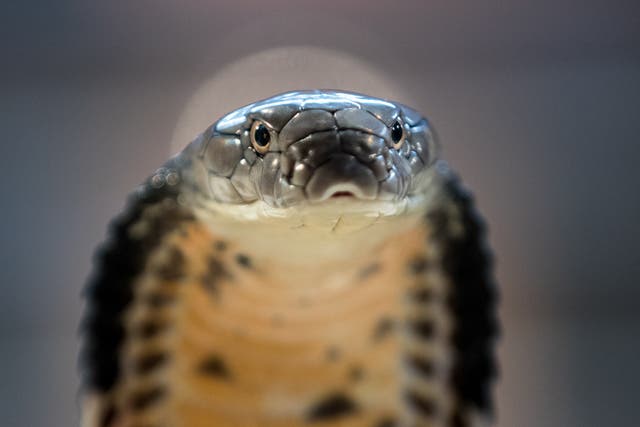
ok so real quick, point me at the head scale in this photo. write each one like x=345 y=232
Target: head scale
x=305 y=147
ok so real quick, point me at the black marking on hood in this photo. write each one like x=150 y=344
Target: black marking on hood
x=333 y=406
x=215 y=366
x=119 y=262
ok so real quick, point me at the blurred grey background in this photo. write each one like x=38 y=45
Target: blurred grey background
x=536 y=103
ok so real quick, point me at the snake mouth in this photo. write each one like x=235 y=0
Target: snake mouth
x=339 y=194
x=342 y=176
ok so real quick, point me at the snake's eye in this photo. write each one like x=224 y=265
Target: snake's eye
x=397 y=134
x=260 y=137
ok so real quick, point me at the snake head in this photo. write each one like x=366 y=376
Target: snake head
x=306 y=147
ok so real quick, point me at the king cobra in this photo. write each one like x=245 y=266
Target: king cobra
x=306 y=261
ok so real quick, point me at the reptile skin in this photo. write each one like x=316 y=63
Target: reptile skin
x=307 y=261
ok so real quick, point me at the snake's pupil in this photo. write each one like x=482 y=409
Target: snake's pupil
x=262 y=136
x=396 y=132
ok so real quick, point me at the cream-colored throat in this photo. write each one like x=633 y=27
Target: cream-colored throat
x=332 y=234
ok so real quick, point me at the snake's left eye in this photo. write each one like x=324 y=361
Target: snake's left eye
x=260 y=137
x=397 y=134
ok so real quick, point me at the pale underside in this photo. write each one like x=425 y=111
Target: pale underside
x=243 y=341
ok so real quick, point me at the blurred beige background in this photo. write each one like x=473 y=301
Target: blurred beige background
x=536 y=104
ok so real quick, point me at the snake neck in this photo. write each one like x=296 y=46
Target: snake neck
x=330 y=332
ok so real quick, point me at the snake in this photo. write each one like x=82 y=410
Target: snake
x=308 y=260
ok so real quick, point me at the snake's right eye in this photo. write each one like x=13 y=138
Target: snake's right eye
x=397 y=134
x=260 y=137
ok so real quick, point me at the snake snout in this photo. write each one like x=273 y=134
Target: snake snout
x=343 y=174
x=338 y=162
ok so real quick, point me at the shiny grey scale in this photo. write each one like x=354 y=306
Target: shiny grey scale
x=322 y=143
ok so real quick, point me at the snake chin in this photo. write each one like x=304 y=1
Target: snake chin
x=340 y=204
x=329 y=229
